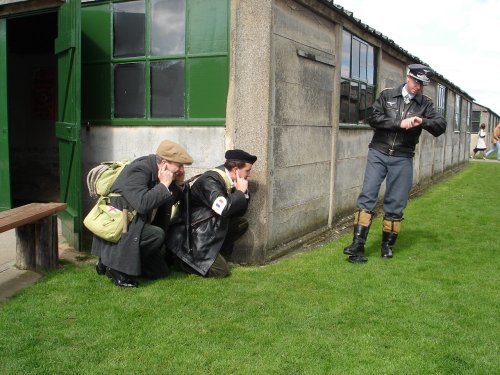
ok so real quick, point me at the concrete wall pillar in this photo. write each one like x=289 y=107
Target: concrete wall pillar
x=248 y=113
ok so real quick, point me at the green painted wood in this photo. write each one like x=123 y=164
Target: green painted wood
x=207 y=30
x=206 y=66
x=5 y=196
x=67 y=46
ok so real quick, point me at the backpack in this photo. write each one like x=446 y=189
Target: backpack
x=101 y=178
x=104 y=220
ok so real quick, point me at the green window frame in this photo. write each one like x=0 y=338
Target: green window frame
x=187 y=84
x=358 y=72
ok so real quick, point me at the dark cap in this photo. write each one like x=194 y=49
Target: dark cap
x=240 y=155
x=421 y=73
x=171 y=151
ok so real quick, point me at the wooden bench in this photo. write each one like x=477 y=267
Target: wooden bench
x=36 y=234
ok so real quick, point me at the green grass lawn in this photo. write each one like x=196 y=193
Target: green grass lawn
x=432 y=309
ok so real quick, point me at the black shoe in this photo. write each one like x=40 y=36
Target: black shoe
x=100 y=268
x=121 y=279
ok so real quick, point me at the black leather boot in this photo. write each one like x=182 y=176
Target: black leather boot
x=391 y=228
x=100 y=268
x=356 y=250
x=362 y=222
x=388 y=241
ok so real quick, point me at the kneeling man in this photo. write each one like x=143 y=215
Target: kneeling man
x=218 y=200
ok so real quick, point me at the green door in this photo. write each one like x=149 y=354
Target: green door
x=4 y=122
x=67 y=49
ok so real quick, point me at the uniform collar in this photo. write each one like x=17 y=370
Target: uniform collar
x=399 y=92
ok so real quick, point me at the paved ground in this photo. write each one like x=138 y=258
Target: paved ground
x=13 y=279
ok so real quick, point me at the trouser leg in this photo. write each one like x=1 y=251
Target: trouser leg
x=153 y=264
x=237 y=227
x=375 y=173
x=398 y=185
x=390 y=232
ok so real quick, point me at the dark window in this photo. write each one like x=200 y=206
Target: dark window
x=129 y=90
x=128 y=29
x=357 y=84
x=475 y=121
x=167 y=88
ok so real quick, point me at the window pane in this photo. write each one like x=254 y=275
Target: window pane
x=441 y=99
x=128 y=27
x=129 y=90
x=344 y=101
x=167 y=89
x=168 y=21
x=346 y=55
x=363 y=52
x=476 y=119
x=370 y=97
x=370 y=66
x=362 y=104
x=458 y=110
x=355 y=59
x=354 y=106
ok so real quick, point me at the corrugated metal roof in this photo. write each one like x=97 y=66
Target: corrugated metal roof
x=350 y=15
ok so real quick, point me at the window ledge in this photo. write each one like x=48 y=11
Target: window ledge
x=354 y=126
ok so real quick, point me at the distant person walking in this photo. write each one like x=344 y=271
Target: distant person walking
x=481 y=144
x=496 y=142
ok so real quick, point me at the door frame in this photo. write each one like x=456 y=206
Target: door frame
x=68 y=51
x=5 y=194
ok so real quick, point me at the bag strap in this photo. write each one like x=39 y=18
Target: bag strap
x=224 y=175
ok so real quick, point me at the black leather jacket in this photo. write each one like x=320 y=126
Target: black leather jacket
x=208 y=229
x=388 y=111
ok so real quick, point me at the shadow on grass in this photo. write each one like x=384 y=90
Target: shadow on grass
x=407 y=240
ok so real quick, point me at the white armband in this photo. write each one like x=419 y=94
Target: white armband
x=219 y=205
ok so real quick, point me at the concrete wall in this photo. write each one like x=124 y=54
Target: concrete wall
x=301 y=136
x=248 y=113
x=103 y=143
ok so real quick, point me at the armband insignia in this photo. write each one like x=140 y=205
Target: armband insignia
x=219 y=204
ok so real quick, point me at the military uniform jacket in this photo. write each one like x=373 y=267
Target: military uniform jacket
x=208 y=228
x=140 y=190
x=387 y=113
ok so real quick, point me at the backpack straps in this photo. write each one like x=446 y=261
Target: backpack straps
x=224 y=175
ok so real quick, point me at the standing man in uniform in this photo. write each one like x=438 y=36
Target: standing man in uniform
x=218 y=200
x=398 y=117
